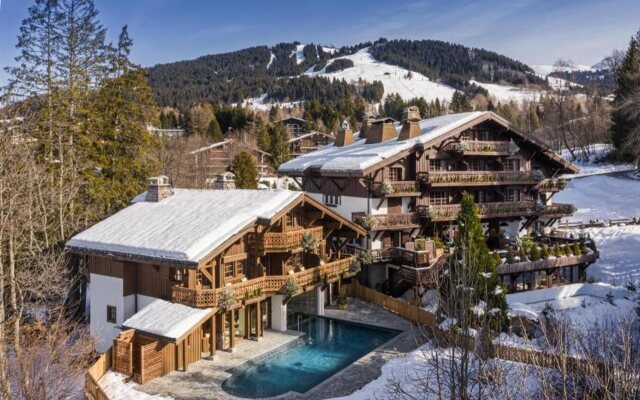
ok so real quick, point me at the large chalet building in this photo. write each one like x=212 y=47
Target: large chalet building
x=181 y=273
x=403 y=182
x=301 y=141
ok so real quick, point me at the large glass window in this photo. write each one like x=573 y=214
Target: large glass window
x=438 y=198
x=512 y=195
x=512 y=165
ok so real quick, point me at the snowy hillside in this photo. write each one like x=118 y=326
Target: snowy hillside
x=394 y=79
x=544 y=70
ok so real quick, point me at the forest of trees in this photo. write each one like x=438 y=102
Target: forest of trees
x=74 y=148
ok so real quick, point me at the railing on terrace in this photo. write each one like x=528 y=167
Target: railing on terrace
x=552 y=185
x=270 y=284
x=279 y=241
x=396 y=254
x=549 y=263
x=386 y=221
x=478 y=178
x=449 y=212
x=484 y=147
x=395 y=188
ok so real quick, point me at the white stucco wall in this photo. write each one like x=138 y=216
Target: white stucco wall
x=348 y=206
x=105 y=291
x=144 y=301
x=278 y=313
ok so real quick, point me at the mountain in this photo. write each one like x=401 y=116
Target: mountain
x=289 y=72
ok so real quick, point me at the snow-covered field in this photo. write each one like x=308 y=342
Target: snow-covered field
x=393 y=78
x=505 y=93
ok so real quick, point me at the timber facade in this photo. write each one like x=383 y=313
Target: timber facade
x=403 y=182
x=236 y=291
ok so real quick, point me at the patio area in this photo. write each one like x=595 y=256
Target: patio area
x=204 y=378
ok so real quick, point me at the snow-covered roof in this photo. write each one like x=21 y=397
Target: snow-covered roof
x=185 y=227
x=166 y=319
x=310 y=134
x=355 y=158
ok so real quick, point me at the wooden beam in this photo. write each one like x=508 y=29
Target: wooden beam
x=296 y=180
x=212 y=336
x=342 y=244
x=333 y=180
x=329 y=232
x=316 y=214
x=208 y=275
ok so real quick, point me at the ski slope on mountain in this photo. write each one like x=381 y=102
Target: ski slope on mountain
x=393 y=78
x=506 y=93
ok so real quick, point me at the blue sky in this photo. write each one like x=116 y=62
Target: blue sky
x=536 y=32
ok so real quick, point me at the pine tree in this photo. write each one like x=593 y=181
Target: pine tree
x=245 y=171
x=280 y=151
x=264 y=140
x=473 y=270
x=625 y=118
x=121 y=63
x=214 y=132
x=460 y=103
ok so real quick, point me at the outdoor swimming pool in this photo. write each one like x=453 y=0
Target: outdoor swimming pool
x=328 y=346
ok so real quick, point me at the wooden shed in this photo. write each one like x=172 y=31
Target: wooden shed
x=161 y=338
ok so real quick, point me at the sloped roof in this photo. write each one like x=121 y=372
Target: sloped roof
x=310 y=134
x=168 y=320
x=184 y=227
x=356 y=159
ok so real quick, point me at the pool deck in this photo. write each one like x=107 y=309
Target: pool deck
x=203 y=380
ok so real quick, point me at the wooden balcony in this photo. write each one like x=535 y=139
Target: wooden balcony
x=483 y=148
x=380 y=222
x=254 y=289
x=411 y=258
x=396 y=189
x=551 y=185
x=281 y=241
x=449 y=212
x=546 y=264
x=478 y=178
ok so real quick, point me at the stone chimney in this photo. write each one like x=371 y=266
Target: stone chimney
x=381 y=130
x=159 y=189
x=345 y=135
x=410 y=123
x=366 y=122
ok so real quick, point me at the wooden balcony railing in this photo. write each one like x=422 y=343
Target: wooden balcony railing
x=265 y=285
x=395 y=189
x=411 y=257
x=478 y=178
x=549 y=263
x=481 y=147
x=552 y=185
x=449 y=212
x=281 y=241
x=386 y=221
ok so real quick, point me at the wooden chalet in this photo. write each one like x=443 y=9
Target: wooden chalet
x=403 y=182
x=181 y=274
x=302 y=141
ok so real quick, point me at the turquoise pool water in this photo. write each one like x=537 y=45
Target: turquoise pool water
x=328 y=346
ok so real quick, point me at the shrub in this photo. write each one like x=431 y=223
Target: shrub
x=227 y=299
x=576 y=249
x=290 y=289
x=309 y=241
x=356 y=265
x=342 y=298
x=545 y=252
x=568 y=250
x=510 y=257
x=496 y=257
x=534 y=253
x=523 y=254
x=557 y=251
x=438 y=242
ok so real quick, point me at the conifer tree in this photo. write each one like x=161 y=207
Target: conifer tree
x=244 y=169
x=280 y=151
x=460 y=103
x=264 y=140
x=625 y=118
x=214 y=132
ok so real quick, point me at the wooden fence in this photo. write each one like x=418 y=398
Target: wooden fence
x=93 y=390
x=407 y=311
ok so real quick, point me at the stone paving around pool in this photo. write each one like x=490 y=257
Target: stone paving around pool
x=204 y=378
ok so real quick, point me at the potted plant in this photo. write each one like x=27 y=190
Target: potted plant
x=342 y=300
x=227 y=298
x=289 y=290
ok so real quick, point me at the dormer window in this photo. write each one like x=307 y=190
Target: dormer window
x=177 y=275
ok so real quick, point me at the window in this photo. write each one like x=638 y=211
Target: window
x=436 y=165
x=289 y=219
x=438 y=198
x=332 y=200
x=512 y=195
x=395 y=174
x=176 y=275
x=476 y=165
x=480 y=196
x=512 y=165
x=111 y=314
x=229 y=269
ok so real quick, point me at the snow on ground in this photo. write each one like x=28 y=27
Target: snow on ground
x=596 y=162
x=271 y=59
x=619 y=260
x=544 y=70
x=329 y=50
x=505 y=93
x=561 y=84
x=415 y=374
x=298 y=53
x=115 y=388
x=393 y=78
x=260 y=103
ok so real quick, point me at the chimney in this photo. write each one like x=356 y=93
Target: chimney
x=381 y=130
x=345 y=135
x=366 y=122
x=410 y=123
x=159 y=189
